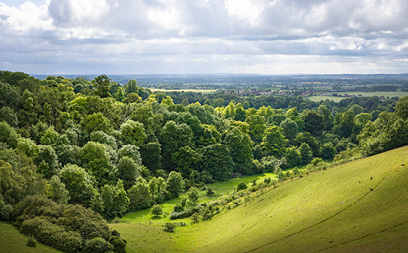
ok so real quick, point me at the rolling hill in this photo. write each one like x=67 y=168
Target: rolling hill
x=358 y=206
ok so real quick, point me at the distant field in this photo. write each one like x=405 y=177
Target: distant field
x=361 y=206
x=364 y=94
x=13 y=241
x=181 y=90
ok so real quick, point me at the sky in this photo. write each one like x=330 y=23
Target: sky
x=274 y=37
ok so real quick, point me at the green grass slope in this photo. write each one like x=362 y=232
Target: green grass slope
x=358 y=206
x=13 y=241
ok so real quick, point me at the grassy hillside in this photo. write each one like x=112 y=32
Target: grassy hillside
x=13 y=241
x=359 y=206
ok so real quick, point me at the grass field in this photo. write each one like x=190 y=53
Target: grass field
x=364 y=94
x=359 y=206
x=181 y=90
x=13 y=241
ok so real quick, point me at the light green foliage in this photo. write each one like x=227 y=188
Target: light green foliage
x=139 y=195
x=8 y=135
x=28 y=147
x=96 y=161
x=133 y=132
x=401 y=109
x=50 y=137
x=192 y=196
x=101 y=137
x=327 y=150
x=8 y=115
x=96 y=122
x=293 y=157
x=175 y=184
x=328 y=118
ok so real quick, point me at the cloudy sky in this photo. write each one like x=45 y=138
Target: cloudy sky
x=204 y=36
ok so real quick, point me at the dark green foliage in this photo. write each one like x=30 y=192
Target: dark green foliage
x=314 y=123
x=97 y=245
x=157 y=210
x=217 y=161
x=169 y=227
x=241 y=186
x=175 y=184
x=118 y=243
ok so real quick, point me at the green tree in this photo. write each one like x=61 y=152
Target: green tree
x=128 y=171
x=290 y=128
x=175 y=184
x=133 y=132
x=47 y=161
x=139 y=195
x=151 y=156
x=401 y=108
x=95 y=159
x=293 y=157
x=102 y=85
x=328 y=118
x=96 y=122
x=57 y=191
x=314 y=122
x=217 y=161
x=78 y=183
x=157 y=210
x=8 y=135
x=306 y=153
x=187 y=159
x=327 y=151
x=192 y=196
x=274 y=142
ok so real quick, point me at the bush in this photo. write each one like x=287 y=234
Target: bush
x=241 y=186
x=119 y=244
x=31 y=242
x=210 y=192
x=97 y=245
x=184 y=214
x=178 y=208
x=169 y=227
x=157 y=210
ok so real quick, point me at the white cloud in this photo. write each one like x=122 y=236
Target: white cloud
x=260 y=36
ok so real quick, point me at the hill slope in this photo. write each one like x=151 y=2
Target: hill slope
x=361 y=205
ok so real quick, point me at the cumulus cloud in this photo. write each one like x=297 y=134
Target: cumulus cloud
x=153 y=36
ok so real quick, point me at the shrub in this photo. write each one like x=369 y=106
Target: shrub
x=169 y=227
x=119 y=244
x=184 y=214
x=31 y=242
x=178 y=208
x=157 y=210
x=210 y=192
x=96 y=245
x=241 y=186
